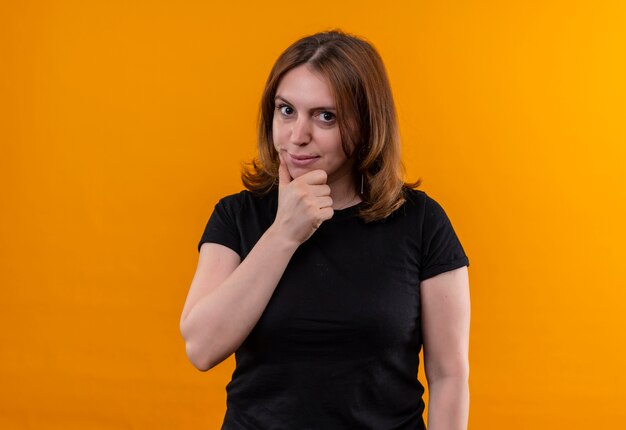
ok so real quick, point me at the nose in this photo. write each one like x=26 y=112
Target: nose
x=301 y=131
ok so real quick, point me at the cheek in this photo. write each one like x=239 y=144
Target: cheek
x=334 y=141
x=275 y=134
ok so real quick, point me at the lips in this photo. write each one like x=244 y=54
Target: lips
x=303 y=160
x=302 y=157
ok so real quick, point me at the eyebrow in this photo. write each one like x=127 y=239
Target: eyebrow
x=311 y=110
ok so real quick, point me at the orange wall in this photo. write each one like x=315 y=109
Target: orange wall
x=122 y=123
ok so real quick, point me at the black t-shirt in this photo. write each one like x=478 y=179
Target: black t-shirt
x=337 y=346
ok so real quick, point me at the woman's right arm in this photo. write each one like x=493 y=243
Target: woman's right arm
x=226 y=297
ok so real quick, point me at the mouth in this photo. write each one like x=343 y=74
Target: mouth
x=303 y=157
x=303 y=160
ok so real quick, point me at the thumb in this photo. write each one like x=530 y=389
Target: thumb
x=283 y=173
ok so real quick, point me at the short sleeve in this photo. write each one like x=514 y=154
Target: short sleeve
x=222 y=225
x=441 y=248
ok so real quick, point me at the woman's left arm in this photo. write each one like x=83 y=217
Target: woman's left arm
x=445 y=330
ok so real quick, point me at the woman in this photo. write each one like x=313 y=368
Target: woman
x=328 y=274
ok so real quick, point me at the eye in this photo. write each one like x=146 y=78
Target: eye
x=327 y=117
x=284 y=109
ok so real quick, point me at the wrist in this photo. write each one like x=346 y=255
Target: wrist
x=281 y=239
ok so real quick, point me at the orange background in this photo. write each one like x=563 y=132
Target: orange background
x=122 y=123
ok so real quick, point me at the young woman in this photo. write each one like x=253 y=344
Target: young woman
x=328 y=274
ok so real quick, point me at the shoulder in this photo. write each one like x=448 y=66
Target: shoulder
x=413 y=196
x=246 y=203
x=419 y=200
x=423 y=209
x=245 y=198
x=418 y=196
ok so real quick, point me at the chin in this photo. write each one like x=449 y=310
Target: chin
x=296 y=172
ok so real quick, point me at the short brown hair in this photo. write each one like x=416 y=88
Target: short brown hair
x=366 y=116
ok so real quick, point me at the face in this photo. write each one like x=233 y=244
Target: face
x=305 y=126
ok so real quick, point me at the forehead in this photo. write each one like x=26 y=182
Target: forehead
x=302 y=86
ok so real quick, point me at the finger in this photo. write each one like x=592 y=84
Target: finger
x=323 y=215
x=326 y=213
x=315 y=177
x=283 y=173
x=324 y=202
x=319 y=190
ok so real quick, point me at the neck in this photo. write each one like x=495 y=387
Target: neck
x=343 y=191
